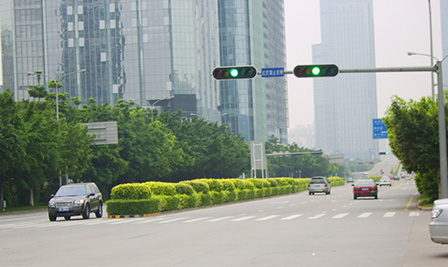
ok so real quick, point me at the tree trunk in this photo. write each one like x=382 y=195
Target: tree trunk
x=31 y=197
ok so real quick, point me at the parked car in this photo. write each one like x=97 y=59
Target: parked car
x=319 y=184
x=385 y=181
x=365 y=188
x=76 y=199
x=438 y=227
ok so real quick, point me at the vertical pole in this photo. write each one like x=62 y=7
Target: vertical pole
x=442 y=134
x=432 y=56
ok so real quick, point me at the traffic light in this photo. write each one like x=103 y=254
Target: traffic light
x=384 y=153
x=306 y=71
x=234 y=72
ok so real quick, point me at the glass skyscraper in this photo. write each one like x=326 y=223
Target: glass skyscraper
x=346 y=104
x=252 y=32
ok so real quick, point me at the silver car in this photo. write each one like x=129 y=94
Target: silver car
x=438 y=227
x=319 y=184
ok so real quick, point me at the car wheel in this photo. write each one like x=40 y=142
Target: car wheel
x=86 y=212
x=67 y=218
x=355 y=197
x=310 y=193
x=99 y=212
x=52 y=218
x=376 y=196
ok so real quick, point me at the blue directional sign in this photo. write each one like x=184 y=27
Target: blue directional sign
x=379 y=129
x=273 y=72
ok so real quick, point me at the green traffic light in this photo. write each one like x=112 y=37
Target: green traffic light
x=234 y=73
x=315 y=71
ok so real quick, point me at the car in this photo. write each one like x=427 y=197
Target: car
x=438 y=227
x=350 y=180
x=385 y=181
x=365 y=188
x=76 y=199
x=319 y=184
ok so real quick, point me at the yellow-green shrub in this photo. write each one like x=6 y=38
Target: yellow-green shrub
x=162 y=188
x=130 y=191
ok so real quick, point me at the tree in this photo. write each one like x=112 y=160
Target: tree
x=413 y=136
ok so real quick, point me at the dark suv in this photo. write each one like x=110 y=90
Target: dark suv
x=76 y=199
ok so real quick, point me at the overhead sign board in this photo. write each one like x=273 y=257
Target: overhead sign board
x=272 y=72
x=379 y=129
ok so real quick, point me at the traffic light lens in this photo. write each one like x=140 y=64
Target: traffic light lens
x=234 y=73
x=315 y=71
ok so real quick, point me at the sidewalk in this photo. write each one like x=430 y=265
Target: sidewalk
x=420 y=250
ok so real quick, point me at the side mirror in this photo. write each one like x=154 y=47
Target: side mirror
x=52 y=195
x=91 y=195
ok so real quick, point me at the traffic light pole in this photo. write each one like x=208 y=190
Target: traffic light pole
x=441 y=105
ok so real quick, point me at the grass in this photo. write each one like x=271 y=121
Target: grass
x=26 y=208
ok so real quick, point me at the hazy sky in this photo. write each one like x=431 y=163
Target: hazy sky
x=401 y=26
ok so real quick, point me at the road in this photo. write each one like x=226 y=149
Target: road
x=294 y=230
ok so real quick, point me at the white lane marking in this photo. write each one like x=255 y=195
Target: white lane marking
x=148 y=220
x=267 y=218
x=316 y=217
x=174 y=220
x=414 y=214
x=219 y=219
x=389 y=214
x=340 y=216
x=291 y=217
x=197 y=219
x=365 y=215
x=243 y=218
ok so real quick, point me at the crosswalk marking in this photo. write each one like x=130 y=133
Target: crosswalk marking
x=243 y=218
x=340 y=216
x=291 y=217
x=316 y=217
x=267 y=218
x=365 y=215
x=389 y=214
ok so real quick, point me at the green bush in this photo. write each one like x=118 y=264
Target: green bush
x=256 y=182
x=275 y=191
x=227 y=185
x=273 y=182
x=241 y=195
x=132 y=207
x=231 y=196
x=206 y=199
x=267 y=192
x=218 y=197
x=239 y=184
x=199 y=187
x=250 y=194
x=248 y=185
x=130 y=191
x=172 y=202
x=184 y=188
x=213 y=184
x=161 y=188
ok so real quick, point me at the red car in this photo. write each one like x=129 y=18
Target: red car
x=365 y=188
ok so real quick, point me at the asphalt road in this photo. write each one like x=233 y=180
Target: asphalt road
x=294 y=230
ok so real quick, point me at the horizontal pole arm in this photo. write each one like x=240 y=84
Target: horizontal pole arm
x=391 y=69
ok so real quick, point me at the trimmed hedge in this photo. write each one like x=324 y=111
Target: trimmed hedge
x=154 y=197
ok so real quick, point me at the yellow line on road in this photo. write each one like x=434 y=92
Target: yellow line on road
x=395 y=187
x=409 y=203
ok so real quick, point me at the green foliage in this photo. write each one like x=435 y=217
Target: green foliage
x=238 y=183
x=161 y=188
x=213 y=184
x=184 y=188
x=172 y=202
x=199 y=187
x=256 y=182
x=227 y=185
x=132 y=207
x=206 y=199
x=427 y=184
x=218 y=197
x=131 y=191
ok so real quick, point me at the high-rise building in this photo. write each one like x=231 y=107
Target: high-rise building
x=252 y=32
x=141 y=51
x=444 y=21
x=346 y=104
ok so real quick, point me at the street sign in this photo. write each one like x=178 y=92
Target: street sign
x=379 y=129
x=272 y=72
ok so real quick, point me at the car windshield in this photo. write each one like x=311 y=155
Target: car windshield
x=365 y=182
x=317 y=181
x=71 y=191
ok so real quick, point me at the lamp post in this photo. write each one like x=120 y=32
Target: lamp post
x=442 y=124
x=38 y=73
x=431 y=49
x=151 y=106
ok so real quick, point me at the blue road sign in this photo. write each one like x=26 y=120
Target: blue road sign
x=379 y=129
x=273 y=72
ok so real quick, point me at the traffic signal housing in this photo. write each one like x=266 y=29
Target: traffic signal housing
x=384 y=153
x=234 y=72
x=309 y=71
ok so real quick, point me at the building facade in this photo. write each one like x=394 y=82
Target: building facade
x=346 y=104
x=252 y=32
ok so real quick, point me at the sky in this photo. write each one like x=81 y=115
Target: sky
x=401 y=26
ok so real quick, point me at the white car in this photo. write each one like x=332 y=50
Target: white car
x=438 y=227
x=385 y=181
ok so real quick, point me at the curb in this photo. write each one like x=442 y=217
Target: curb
x=133 y=216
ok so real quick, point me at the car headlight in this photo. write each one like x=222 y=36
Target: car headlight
x=78 y=202
x=51 y=203
x=436 y=213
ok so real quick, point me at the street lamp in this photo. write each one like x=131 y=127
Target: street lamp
x=442 y=124
x=38 y=73
x=151 y=106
